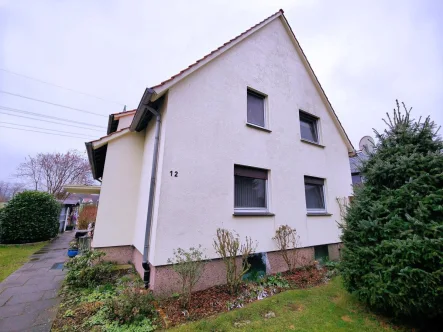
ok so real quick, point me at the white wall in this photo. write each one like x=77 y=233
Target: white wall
x=207 y=135
x=145 y=182
x=119 y=192
x=125 y=121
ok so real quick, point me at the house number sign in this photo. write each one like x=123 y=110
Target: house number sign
x=174 y=174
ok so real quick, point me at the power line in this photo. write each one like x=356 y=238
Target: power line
x=47 y=116
x=61 y=87
x=50 y=103
x=49 y=129
x=41 y=132
x=63 y=124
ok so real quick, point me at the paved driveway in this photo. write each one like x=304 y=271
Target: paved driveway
x=28 y=297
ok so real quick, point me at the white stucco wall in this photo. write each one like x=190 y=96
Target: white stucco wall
x=145 y=182
x=119 y=192
x=207 y=135
x=125 y=121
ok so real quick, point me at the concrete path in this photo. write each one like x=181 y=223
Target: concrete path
x=28 y=297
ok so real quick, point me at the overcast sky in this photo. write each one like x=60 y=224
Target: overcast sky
x=365 y=54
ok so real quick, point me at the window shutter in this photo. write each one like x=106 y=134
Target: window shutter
x=251 y=172
x=312 y=180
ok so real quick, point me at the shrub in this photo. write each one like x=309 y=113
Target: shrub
x=393 y=232
x=189 y=265
x=287 y=242
x=88 y=270
x=145 y=325
x=30 y=216
x=275 y=280
x=87 y=215
x=227 y=245
x=131 y=305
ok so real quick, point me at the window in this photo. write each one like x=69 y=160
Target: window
x=308 y=127
x=314 y=191
x=250 y=188
x=256 y=109
x=356 y=178
x=321 y=253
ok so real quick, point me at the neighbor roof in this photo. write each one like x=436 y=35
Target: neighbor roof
x=114 y=118
x=152 y=94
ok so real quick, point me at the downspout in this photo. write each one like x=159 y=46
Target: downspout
x=145 y=263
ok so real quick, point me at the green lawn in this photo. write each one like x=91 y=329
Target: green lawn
x=14 y=256
x=324 y=308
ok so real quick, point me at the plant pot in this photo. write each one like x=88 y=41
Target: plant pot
x=72 y=252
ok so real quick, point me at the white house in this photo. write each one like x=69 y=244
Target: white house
x=243 y=139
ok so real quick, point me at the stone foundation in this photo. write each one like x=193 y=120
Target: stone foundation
x=334 y=251
x=119 y=255
x=164 y=281
x=137 y=260
x=278 y=264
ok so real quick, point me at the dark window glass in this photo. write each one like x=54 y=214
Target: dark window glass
x=250 y=187
x=356 y=179
x=256 y=109
x=308 y=127
x=314 y=193
x=321 y=253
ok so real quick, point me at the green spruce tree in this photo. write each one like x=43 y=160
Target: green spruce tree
x=393 y=232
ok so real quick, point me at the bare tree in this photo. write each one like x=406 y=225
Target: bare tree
x=51 y=171
x=9 y=190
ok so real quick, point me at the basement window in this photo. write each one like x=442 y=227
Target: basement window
x=258 y=266
x=321 y=253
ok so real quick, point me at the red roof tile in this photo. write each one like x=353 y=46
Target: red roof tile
x=111 y=134
x=125 y=112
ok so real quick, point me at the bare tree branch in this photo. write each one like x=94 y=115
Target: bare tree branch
x=52 y=171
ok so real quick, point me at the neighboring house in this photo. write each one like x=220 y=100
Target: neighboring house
x=355 y=163
x=73 y=203
x=244 y=139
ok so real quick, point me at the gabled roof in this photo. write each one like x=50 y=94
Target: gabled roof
x=215 y=52
x=152 y=94
x=114 y=118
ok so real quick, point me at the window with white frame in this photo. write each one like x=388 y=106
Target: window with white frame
x=315 y=194
x=250 y=188
x=256 y=108
x=309 y=127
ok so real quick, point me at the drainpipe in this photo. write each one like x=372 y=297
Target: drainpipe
x=145 y=263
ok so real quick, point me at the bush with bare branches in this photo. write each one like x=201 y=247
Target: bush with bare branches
x=189 y=265
x=87 y=215
x=288 y=243
x=227 y=245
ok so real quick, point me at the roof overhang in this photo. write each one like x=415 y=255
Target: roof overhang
x=79 y=189
x=112 y=124
x=114 y=119
x=97 y=149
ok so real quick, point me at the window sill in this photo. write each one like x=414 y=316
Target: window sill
x=252 y=214
x=312 y=143
x=258 y=127
x=318 y=214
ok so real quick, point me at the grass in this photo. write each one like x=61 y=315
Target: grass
x=14 y=256
x=323 y=308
